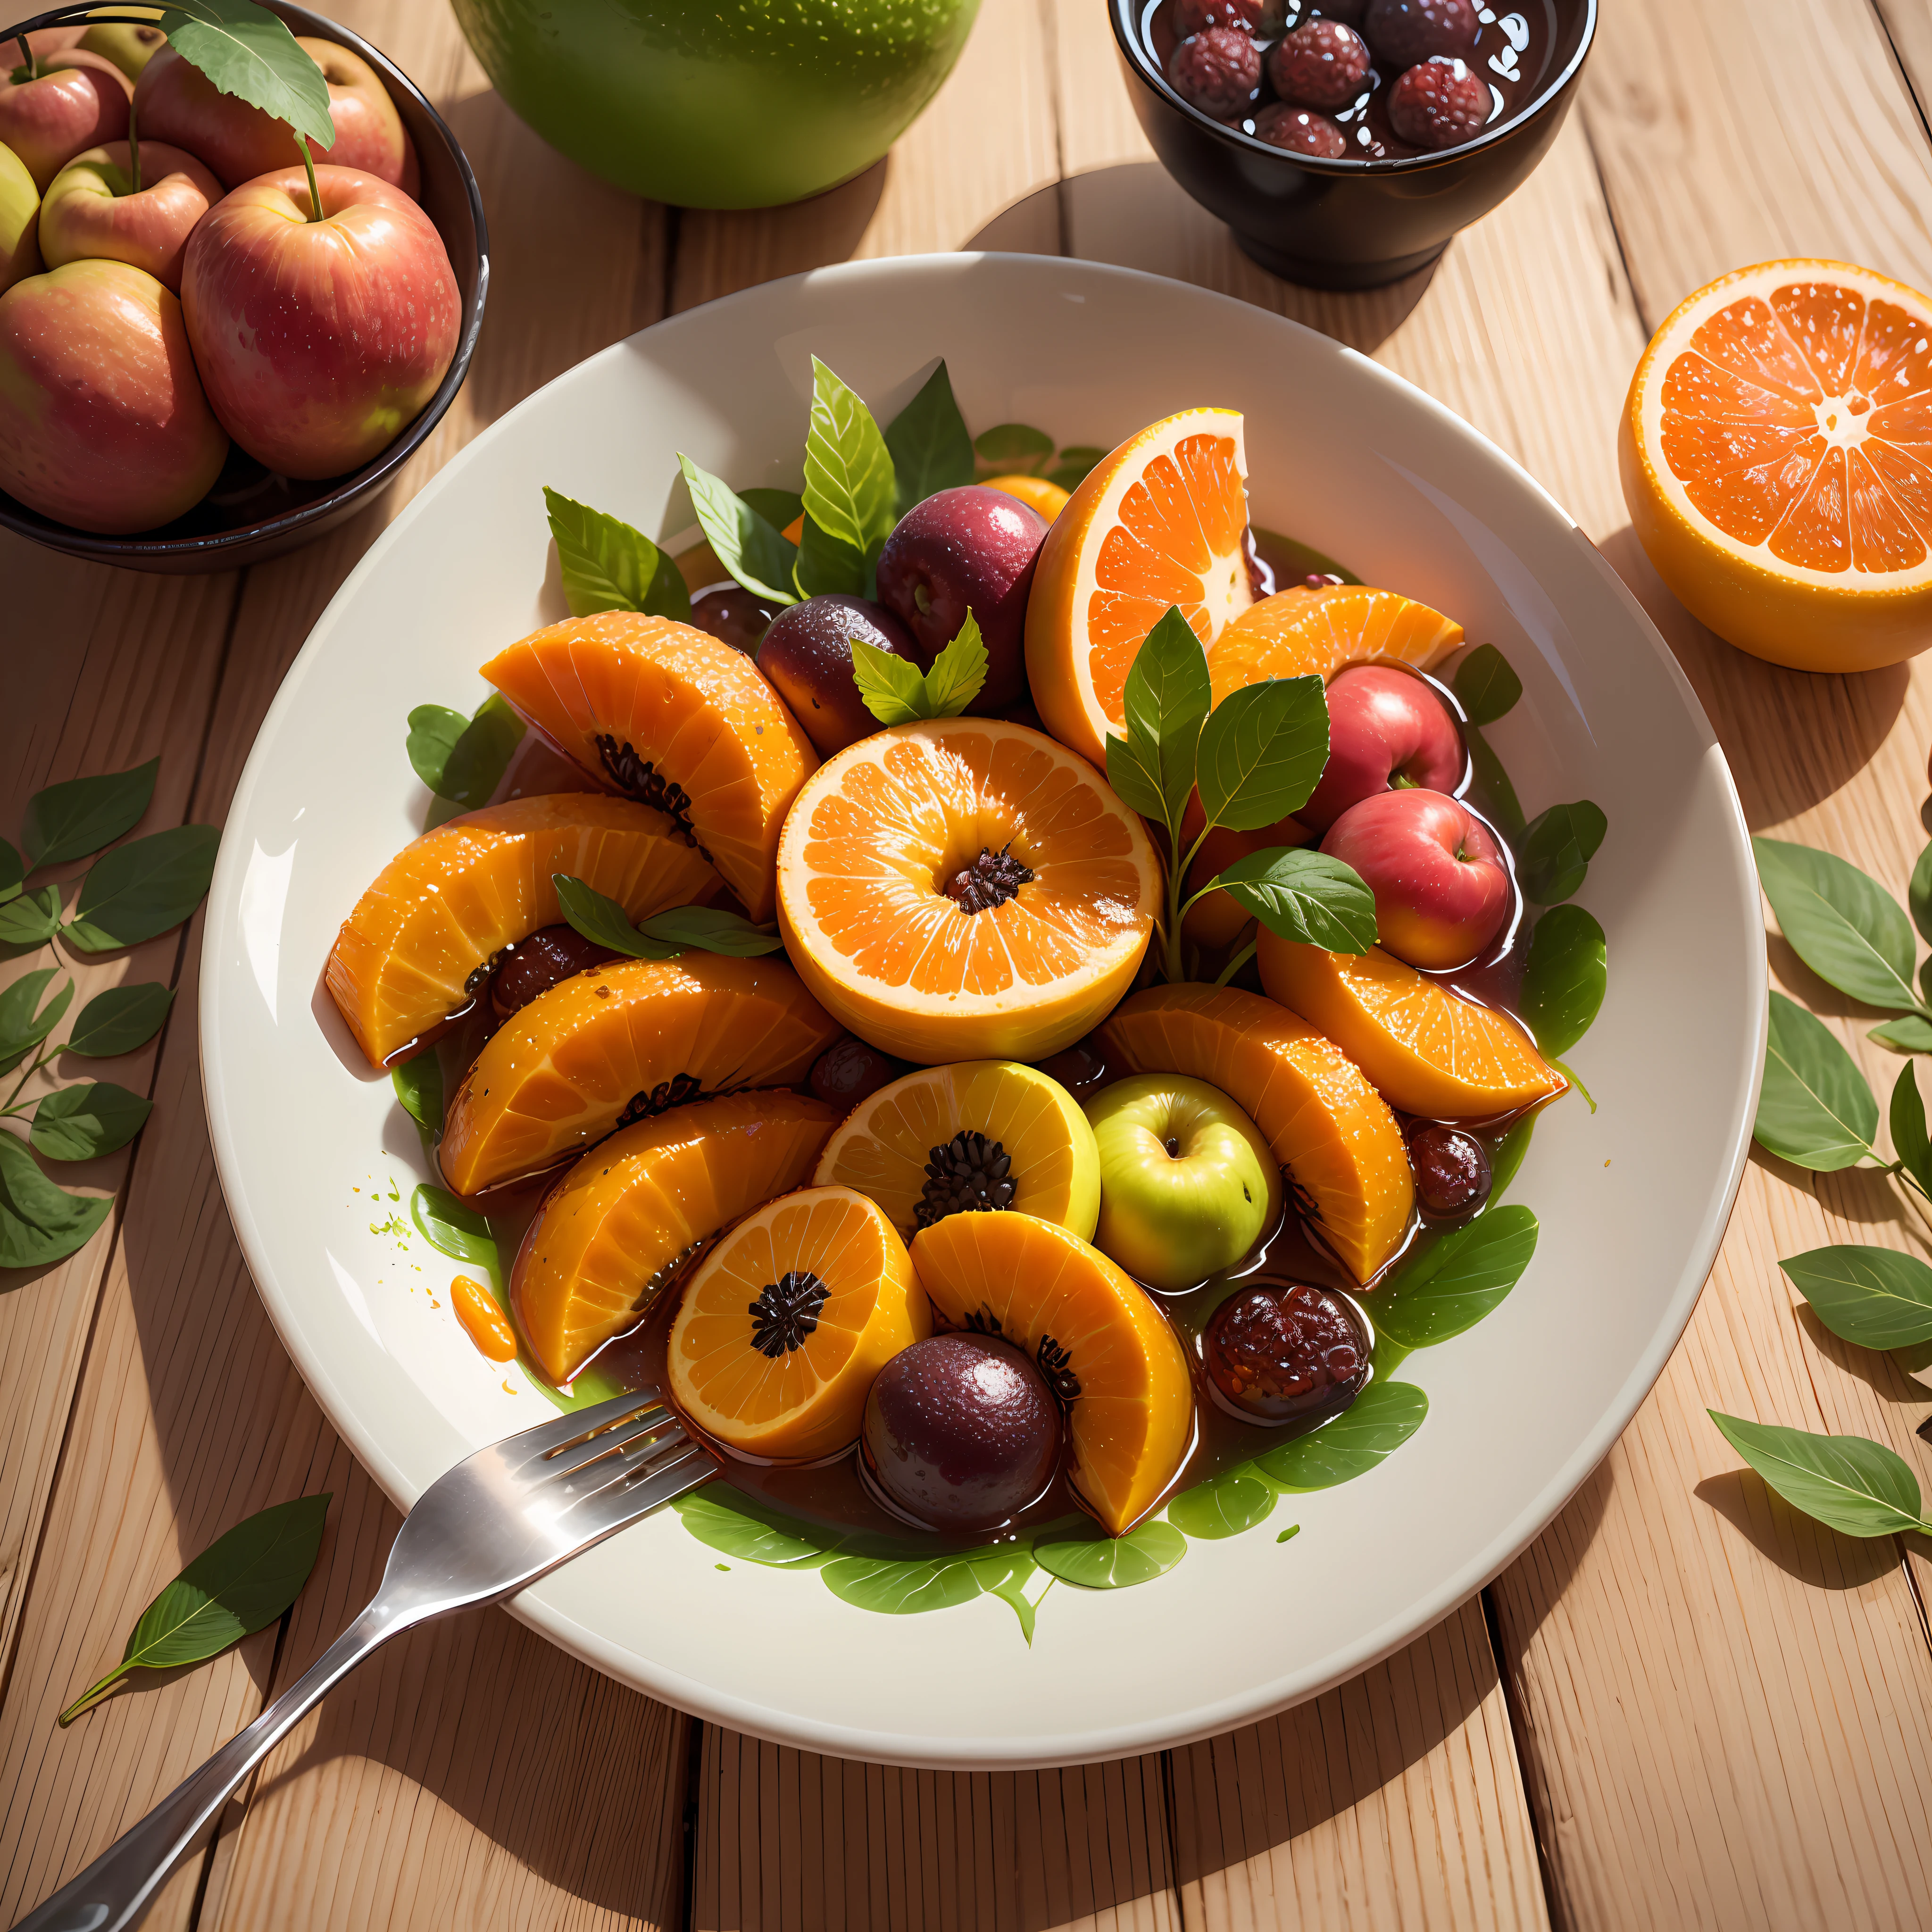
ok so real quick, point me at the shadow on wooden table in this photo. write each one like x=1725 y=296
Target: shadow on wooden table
x=1799 y=1545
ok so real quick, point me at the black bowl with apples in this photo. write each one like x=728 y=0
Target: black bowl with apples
x=252 y=513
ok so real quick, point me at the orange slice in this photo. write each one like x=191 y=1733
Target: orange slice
x=1035 y=492
x=618 y=1044
x=1429 y=1051
x=420 y=942
x=665 y=713
x=1160 y=522
x=1102 y=1345
x=611 y=1232
x=1332 y=1132
x=882 y=829
x=1297 y=632
x=787 y=1320
x=1776 y=450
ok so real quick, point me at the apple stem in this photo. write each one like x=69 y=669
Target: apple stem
x=314 y=193
x=27 y=58
x=134 y=153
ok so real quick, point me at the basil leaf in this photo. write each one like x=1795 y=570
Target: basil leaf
x=22 y=1027
x=241 y=1582
x=1846 y=927
x=1133 y=771
x=1875 y=1297
x=1815 y=1108
x=418 y=1082
x=12 y=872
x=453 y=1229
x=1372 y=1427
x=606 y=565
x=1451 y=1285
x=958 y=673
x=433 y=731
x=850 y=490
x=247 y=52
x=749 y=1529
x=826 y=567
x=1076 y=463
x=32 y=918
x=1857 y=1486
x=1564 y=980
x=1908 y=1127
x=1304 y=895
x=780 y=508
x=711 y=929
x=604 y=921
x=1261 y=750
x=897 y=1587
x=1555 y=851
x=1492 y=784
x=40 y=1222
x=1012 y=446
x=1910 y=1033
x=893 y=689
x=1224 y=1506
x=751 y=550
x=928 y=443
x=1095 y=1561
x=80 y=1122
x=120 y=1019
x=1487 y=686
x=478 y=759
x=139 y=891
x=1166 y=701
x=69 y=820
x=1918 y=895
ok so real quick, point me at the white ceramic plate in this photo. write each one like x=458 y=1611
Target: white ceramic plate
x=1632 y=1199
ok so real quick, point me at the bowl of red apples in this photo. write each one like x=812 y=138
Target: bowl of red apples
x=243 y=264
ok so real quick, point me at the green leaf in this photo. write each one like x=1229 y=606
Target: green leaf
x=1910 y=1033
x=1875 y=1297
x=780 y=508
x=418 y=1082
x=1135 y=784
x=826 y=567
x=1075 y=462
x=710 y=929
x=478 y=759
x=1012 y=447
x=850 y=490
x=1847 y=1482
x=80 y=1122
x=120 y=1019
x=247 y=52
x=1486 y=685
x=1166 y=701
x=898 y=1588
x=1373 y=1426
x=69 y=820
x=22 y=1027
x=754 y=554
x=749 y=1529
x=12 y=872
x=1305 y=895
x=31 y=919
x=928 y=443
x=1815 y=1108
x=1492 y=785
x=896 y=692
x=241 y=1582
x=1564 y=983
x=1555 y=851
x=40 y=1222
x=139 y=891
x=452 y=1228
x=608 y=565
x=958 y=673
x=1908 y=1127
x=1095 y=1561
x=1451 y=1285
x=1223 y=1506
x=1846 y=927
x=1261 y=750
x=433 y=731
x=1506 y=1157
x=604 y=921
x=1918 y=895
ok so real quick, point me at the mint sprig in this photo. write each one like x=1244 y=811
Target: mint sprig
x=896 y=691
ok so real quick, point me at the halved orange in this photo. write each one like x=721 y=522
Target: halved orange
x=618 y=1044
x=610 y=1233
x=785 y=1323
x=422 y=939
x=1428 y=1050
x=1161 y=522
x=667 y=714
x=965 y=889
x=1330 y=1130
x=1296 y=633
x=1776 y=451
x=1104 y=1348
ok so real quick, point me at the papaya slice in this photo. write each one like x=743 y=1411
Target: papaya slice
x=1333 y=1133
x=784 y=1324
x=611 y=1231
x=618 y=1044
x=1104 y=1348
x=1429 y=1051
x=1296 y=632
x=664 y=713
x=422 y=939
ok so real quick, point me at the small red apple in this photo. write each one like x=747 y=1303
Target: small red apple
x=1442 y=891
x=79 y=101
x=319 y=341
x=92 y=212
x=1383 y=724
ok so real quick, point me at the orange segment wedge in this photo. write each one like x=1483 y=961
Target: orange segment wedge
x=1776 y=451
x=784 y=1324
x=611 y=1232
x=422 y=940
x=1295 y=633
x=1332 y=1132
x=1014 y=970
x=1161 y=522
x=1429 y=1051
x=665 y=713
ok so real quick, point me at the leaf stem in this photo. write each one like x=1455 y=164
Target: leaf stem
x=1235 y=964
x=314 y=193
x=1569 y=1074
x=91 y=1696
x=44 y=1056
x=1176 y=877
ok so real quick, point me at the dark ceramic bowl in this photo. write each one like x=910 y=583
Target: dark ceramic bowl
x=252 y=514
x=1348 y=223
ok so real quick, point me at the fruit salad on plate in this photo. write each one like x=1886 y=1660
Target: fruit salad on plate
x=1011 y=994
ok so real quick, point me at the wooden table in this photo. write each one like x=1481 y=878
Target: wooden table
x=1685 y=1706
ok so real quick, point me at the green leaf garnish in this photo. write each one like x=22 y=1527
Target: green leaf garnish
x=80 y=1122
x=664 y=934
x=1910 y=1033
x=1165 y=702
x=1908 y=1139
x=850 y=492
x=826 y=567
x=1506 y=1158
x=1846 y=927
x=418 y=1082
x=13 y=872
x=1859 y=1487
x=1564 y=980
x=1918 y=895
x=604 y=921
x=40 y=1222
x=928 y=443
x=478 y=759
x=1305 y=895
x=780 y=508
x=1493 y=783
x=754 y=554
x=1555 y=851
x=433 y=731
x=247 y=52
x=1261 y=750
x=726 y=1519
x=1452 y=1285
x=1095 y=1561
x=69 y=820
x=897 y=1587
x=608 y=565
x=1815 y=1108
x=1875 y=1297
x=31 y=919
x=1013 y=447
x=453 y=1229
x=895 y=691
x=139 y=891
x=22 y=1027
x=1487 y=685
x=1224 y=1506
x=1371 y=1428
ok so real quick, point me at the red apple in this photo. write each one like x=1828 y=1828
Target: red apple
x=79 y=101
x=175 y=101
x=1442 y=891
x=1383 y=724
x=320 y=342
x=103 y=424
x=92 y=212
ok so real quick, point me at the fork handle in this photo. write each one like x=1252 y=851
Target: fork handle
x=115 y=1890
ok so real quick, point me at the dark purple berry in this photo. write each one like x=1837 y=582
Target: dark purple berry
x=807 y=655
x=1301 y=130
x=1079 y=1068
x=849 y=1071
x=1404 y=31
x=548 y=957
x=1439 y=103
x=732 y=615
x=1218 y=71
x=1279 y=1354
x=1196 y=16
x=1452 y=1170
x=1322 y=64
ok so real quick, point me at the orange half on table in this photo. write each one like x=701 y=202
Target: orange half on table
x=1776 y=450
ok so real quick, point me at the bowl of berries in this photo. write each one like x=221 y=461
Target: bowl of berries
x=1345 y=141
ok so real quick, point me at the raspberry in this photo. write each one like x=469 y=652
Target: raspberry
x=1439 y=103
x=1322 y=64
x=1196 y=16
x=1299 y=130
x=1404 y=31
x=1217 y=71
x=1453 y=1174
x=1281 y=1354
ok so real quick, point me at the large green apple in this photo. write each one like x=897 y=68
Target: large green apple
x=733 y=103
x=1187 y=1183
x=20 y=220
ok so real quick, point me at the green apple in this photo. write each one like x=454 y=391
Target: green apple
x=129 y=47
x=734 y=103
x=1187 y=1183
x=20 y=220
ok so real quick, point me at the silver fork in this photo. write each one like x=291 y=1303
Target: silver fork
x=479 y=1533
